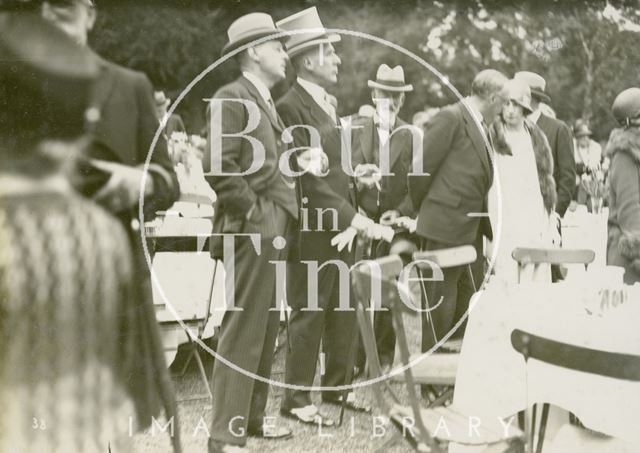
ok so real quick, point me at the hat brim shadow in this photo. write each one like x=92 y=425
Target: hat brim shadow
x=231 y=46
x=382 y=86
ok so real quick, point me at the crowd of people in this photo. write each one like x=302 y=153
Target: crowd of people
x=79 y=342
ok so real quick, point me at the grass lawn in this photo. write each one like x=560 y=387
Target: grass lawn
x=357 y=434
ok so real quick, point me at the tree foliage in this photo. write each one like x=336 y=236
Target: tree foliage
x=587 y=50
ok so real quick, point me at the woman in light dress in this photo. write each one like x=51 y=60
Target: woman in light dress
x=524 y=188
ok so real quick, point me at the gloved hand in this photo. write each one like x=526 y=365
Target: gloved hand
x=408 y=223
x=314 y=161
x=344 y=239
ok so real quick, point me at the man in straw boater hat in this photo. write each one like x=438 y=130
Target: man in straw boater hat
x=388 y=200
x=262 y=202
x=561 y=142
x=328 y=196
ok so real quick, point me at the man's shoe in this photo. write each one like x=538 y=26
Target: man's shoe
x=274 y=433
x=216 y=446
x=309 y=415
x=351 y=403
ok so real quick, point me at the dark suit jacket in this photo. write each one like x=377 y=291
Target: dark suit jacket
x=460 y=175
x=395 y=192
x=333 y=191
x=564 y=165
x=264 y=188
x=125 y=132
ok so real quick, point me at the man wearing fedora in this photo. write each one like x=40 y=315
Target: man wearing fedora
x=559 y=136
x=388 y=199
x=261 y=203
x=308 y=103
x=451 y=197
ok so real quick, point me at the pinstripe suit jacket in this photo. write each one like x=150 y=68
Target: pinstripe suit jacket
x=266 y=194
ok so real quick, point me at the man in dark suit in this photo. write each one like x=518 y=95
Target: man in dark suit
x=451 y=197
x=387 y=199
x=123 y=129
x=261 y=202
x=308 y=103
x=560 y=139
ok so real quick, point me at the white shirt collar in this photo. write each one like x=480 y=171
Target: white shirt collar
x=318 y=93
x=535 y=116
x=259 y=84
x=474 y=111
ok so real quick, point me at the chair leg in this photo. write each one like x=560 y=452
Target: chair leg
x=543 y=426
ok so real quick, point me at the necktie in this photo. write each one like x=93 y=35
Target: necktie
x=272 y=108
x=331 y=104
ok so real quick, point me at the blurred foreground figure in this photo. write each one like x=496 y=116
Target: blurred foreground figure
x=71 y=345
x=623 y=149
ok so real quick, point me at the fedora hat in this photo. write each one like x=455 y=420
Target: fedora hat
x=536 y=83
x=518 y=91
x=248 y=28
x=314 y=33
x=390 y=79
x=582 y=130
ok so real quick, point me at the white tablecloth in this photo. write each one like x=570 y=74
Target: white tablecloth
x=492 y=377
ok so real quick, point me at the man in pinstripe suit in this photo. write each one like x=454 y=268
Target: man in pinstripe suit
x=260 y=202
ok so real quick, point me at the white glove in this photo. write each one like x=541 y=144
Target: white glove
x=314 y=161
x=368 y=175
x=361 y=223
x=379 y=232
x=344 y=239
x=408 y=223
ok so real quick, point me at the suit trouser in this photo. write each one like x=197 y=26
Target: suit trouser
x=337 y=330
x=455 y=290
x=247 y=339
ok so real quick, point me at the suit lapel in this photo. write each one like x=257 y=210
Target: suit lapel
x=367 y=141
x=397 y=143
x=275 y=121
x=477 y=138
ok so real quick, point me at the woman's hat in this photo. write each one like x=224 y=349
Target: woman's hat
x=626 y=106
x=536 y=84
x=46 y=79
x=582 y=130
x=314 y=33
x=390 y=79
x=519 y=92
x=248 y=28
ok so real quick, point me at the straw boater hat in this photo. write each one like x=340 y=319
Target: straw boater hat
x=314 y=33
x=536 y=83
x=518 y=91
x=582 y=130
x=248 y=28
x=390 y=79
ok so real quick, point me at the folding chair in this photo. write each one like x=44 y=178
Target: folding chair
x=538 y=256
x=440 y=369
x=535 y=257
x=420 y=427
x=603 y=363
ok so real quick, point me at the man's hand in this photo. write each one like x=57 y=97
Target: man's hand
x=344 y=239
x=379 y=232
x=122 y=190
x=389 y=218
x=408 y=223
x=314 y=161
x=368 y=175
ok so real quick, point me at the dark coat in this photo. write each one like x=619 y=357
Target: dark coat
x=564 y=165
x=265 y=187
x=332 y=192
x=395 y=192
x=623 y=247
x=451 y=200
x=125 y=133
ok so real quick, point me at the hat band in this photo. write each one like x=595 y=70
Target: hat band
x=391 y=83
